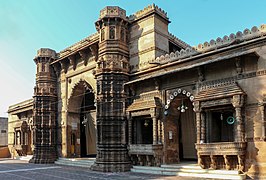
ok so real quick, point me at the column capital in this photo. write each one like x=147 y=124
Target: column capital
x=197 y=107
x=238 y=101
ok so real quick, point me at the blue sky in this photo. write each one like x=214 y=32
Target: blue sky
x=27 y=25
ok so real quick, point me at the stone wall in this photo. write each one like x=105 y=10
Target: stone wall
x=66 y=85
x=148 y=40
x=3 y=131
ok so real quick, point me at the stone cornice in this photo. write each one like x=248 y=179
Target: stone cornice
x=78 y=46
x=21 y=107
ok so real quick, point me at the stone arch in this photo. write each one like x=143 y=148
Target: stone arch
x=81 y=120
x=76 y=94
x=174 y=94
x=179 y=127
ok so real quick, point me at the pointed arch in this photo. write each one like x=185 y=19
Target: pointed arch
x=77 y=94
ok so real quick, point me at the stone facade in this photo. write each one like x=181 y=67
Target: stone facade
x=133 y=93
x=3 y=131
x=20 y=131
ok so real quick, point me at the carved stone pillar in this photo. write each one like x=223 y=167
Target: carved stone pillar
x=241 y=164
x=237 y=102
x=45 y=108
x=159 y=132
x=262 y=109
x=155 y=132
x=203 y=127
x=112 y=152
x=129 y=118
x=198 y=114
x=64 y=134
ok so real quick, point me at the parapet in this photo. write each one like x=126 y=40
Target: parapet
x=113 y=11
x=46 y=52
x=246 y=35
x=147 y=10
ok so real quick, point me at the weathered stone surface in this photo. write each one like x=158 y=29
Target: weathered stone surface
x=148 y=87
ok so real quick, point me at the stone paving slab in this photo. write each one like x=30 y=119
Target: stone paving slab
x=21 y=170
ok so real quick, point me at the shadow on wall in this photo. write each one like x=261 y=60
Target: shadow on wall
x=4 y=152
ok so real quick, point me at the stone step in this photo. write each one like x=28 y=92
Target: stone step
x=79 y=162
x=24 y=158
x=74 y=164
x=189 y=171
x=182 y=165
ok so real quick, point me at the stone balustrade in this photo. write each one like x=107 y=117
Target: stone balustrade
x=222 y=155
x=146 y=154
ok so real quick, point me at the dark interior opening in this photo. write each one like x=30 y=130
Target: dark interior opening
x=221 y=126
x=86 y=106
x=142 y=130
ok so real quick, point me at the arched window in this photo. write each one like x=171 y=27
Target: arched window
x=112 y=32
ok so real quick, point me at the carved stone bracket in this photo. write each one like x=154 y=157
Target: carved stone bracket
x=57 y=68
x=84 y=57
x=238 y=65
x=72 y=61
x=94 y=51
x=157 y=84
x=64 y=66
x=201 y=74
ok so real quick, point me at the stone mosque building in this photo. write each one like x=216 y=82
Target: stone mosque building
x=134 y=94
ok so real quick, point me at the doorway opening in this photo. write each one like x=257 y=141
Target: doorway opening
x=88 y=126
x=186 y=128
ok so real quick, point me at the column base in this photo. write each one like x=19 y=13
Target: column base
x=111 y=166
x=112 y=159
x=44 y=155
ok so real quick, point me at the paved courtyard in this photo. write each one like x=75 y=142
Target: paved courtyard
x=21 y=170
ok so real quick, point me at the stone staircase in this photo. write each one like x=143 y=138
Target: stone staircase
x=79 y=162
x=189 y=170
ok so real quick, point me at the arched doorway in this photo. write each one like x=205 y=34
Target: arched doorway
x=180 y=127
x=81 y=131
x=186 y=128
